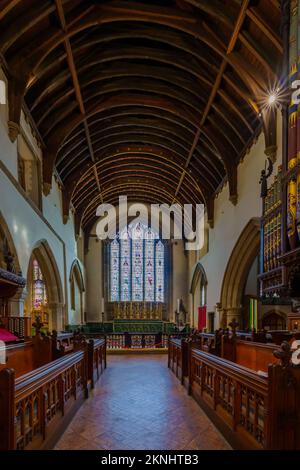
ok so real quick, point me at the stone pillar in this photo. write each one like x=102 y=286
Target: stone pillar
x=218 y=316
x=56 y=316
x=231 y=313
x=16 y=303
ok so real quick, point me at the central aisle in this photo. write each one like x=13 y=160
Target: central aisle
x=139 y=404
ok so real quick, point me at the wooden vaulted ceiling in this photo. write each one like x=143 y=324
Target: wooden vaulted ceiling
x=157 y=100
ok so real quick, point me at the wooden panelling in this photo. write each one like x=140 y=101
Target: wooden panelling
x=255 y=356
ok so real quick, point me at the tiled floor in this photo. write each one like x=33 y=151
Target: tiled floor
x=139 y=404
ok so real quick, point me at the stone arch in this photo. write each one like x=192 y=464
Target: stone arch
x=238 y=266
x=77 y=289
x=198 y=275
x=46 y=260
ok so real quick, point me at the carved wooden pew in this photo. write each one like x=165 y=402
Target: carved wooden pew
x=178 y=350
x=252 y=410
x=249 y=407
x=36 y=407
x=96 y=359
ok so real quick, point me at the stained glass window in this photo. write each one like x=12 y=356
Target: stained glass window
x=115 y=270
x=137 y=267
x=39 y=293
x=159 y=271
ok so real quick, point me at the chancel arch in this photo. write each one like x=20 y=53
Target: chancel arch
x=237 y=271
x=45 y=293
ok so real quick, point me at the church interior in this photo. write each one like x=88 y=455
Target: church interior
x=161 y=102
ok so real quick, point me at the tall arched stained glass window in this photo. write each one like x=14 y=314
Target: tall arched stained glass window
x=114 y=270
x=137 y=267
x=159 y=271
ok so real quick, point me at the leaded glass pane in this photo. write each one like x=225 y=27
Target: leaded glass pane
x=149 y=265
x=114 y=271
x=159 y=271
x=137 y=263
x=125 y=267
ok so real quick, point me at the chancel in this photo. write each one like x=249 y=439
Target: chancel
x=171 y=104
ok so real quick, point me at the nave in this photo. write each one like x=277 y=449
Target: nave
x=138 y=404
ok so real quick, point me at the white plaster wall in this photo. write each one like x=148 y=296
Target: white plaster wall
x=28 y=226
x=230 y=220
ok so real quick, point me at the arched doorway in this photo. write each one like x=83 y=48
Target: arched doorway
x=237 y=271
x=45 y=294
x=198 y=290
x=76 y=290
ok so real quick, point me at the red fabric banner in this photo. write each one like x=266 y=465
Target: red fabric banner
x=7 y=336
x=201 y=317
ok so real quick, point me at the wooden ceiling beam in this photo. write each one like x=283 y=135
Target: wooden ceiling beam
x=265 y=28
x=74 y=75
x=231 y=45
x=6 y=6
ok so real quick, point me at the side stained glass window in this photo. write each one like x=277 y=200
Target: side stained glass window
x=39 y=294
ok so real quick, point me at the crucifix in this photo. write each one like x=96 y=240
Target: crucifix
x=233 y=325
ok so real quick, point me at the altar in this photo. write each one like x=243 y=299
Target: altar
x=137 y=311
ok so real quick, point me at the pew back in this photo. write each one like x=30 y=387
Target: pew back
x=36 y=407
x=255 y=356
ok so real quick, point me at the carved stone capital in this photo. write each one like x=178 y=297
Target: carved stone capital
x=233 y=199
x=13 y=130
x=46 y=188
x=271 y=152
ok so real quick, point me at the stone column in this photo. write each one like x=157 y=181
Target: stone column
x=56 y=312
x=231 y=313
x=218 y=316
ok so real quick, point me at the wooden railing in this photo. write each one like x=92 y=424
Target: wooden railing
x=254 y=410
x=178 y=357
x=116 y=341
x=35 y=408
x=238 y=396
x=19 y=326
x=96 y=359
